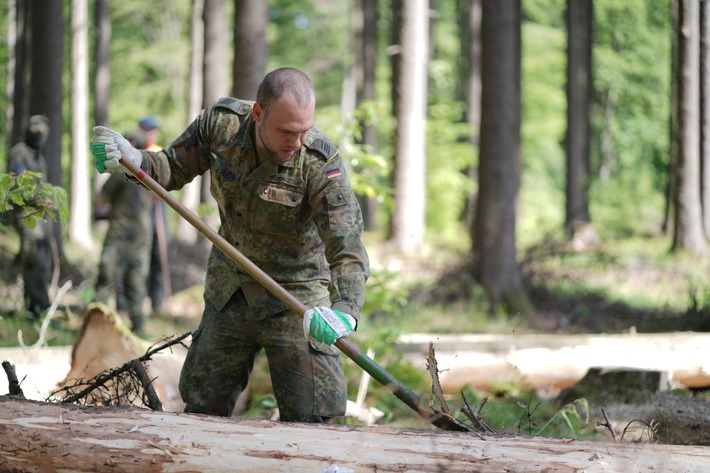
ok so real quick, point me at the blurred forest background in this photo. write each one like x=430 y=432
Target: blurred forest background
x=534 y=165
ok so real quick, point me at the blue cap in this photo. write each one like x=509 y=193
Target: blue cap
x=148 y=123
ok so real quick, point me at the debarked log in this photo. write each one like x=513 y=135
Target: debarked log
x=37 y=436
x=551 y=362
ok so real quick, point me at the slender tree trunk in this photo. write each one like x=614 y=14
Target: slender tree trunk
x=80 y=212
x=22 y=55
x=215 y=77
x=102 y=74
x=191 y=192
x=470 y=87
x=705 y=114
x=579 y=84
x=365 y=62
x=10 y=77
x=215 y=66
x=494 y=245
x=688 y=232
x=409 y=173
x=250 y=48
x=47 y=90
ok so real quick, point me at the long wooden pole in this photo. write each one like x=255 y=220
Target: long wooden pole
x=439 y=419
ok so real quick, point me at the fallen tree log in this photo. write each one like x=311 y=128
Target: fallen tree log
x=36 y=436
x=550 y=363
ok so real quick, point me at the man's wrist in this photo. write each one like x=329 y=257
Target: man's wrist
x=351 y=309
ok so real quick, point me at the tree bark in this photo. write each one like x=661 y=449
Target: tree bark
x=46 y=88
x=102 y=74
x=250 y=48
x=579 y=85
x=190 y=196
x=494 y=246
x=687 y=229
x=80 y=212
x=20 y=90
x=52 y=437
x=365 y=47
x=410 y=160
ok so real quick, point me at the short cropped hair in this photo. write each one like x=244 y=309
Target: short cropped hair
x=280 y=81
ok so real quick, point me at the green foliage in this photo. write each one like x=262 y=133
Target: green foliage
x=631 y=61
x=14 y=327
x=386 y=297
x=575 y=416
x=32 y=199
x=515 y=412
x=313 y=36
x=371 y=170
x=449 y=157
x=150 y=52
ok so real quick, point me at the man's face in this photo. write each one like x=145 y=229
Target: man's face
x=282 y=128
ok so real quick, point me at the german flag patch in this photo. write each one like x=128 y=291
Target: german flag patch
x=333 y=173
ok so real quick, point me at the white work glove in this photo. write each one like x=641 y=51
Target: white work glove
x=109 y=147
x=323 y=326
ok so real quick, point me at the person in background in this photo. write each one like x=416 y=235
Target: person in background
x=125 y=255
x=35 y=255
x=157 y=272
x=285 y=202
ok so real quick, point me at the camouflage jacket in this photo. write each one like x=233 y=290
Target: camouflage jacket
x=298 y=221
x=130 y=212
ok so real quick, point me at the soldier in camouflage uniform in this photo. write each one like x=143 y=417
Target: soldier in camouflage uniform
x=35 y=251
x=285 y=202
x=125 y=256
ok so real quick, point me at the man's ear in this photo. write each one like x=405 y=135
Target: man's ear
x=257 y=112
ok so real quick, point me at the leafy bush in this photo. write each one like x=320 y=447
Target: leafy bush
x=31 y=199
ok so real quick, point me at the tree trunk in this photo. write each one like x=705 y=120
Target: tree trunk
x=494 y=245
x=20 y=92
x=47 y=90
x=215 y=77
x=102 y=74
x=705 y=114
x=80 y=212
x=579 y=86
x=190 y=196
x=52 y=437
x=687 y=230
x=365 y=62
x=409 y=173
x=215 y=67
x=250 y=48
x=550 y=363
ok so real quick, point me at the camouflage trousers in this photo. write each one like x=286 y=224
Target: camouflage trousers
x=36 y=262
x=309 y=386
x=124 y=264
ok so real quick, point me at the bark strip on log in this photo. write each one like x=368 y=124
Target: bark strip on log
x=38 y=436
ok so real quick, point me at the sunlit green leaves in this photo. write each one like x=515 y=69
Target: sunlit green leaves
x=31 y=199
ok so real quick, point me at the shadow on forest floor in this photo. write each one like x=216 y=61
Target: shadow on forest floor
x=584 y=310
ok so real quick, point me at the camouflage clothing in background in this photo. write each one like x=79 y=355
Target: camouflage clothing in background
x=298 y=221
x=126 y=252
x=35 y=251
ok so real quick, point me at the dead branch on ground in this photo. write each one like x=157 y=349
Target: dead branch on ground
x=128 y=384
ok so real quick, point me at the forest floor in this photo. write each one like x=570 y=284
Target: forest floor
x=568 y=297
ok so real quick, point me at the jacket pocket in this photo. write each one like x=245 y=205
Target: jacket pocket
x=278 y=209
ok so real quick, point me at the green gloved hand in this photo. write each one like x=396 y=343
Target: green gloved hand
x=109 y=147
x=323 y=326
